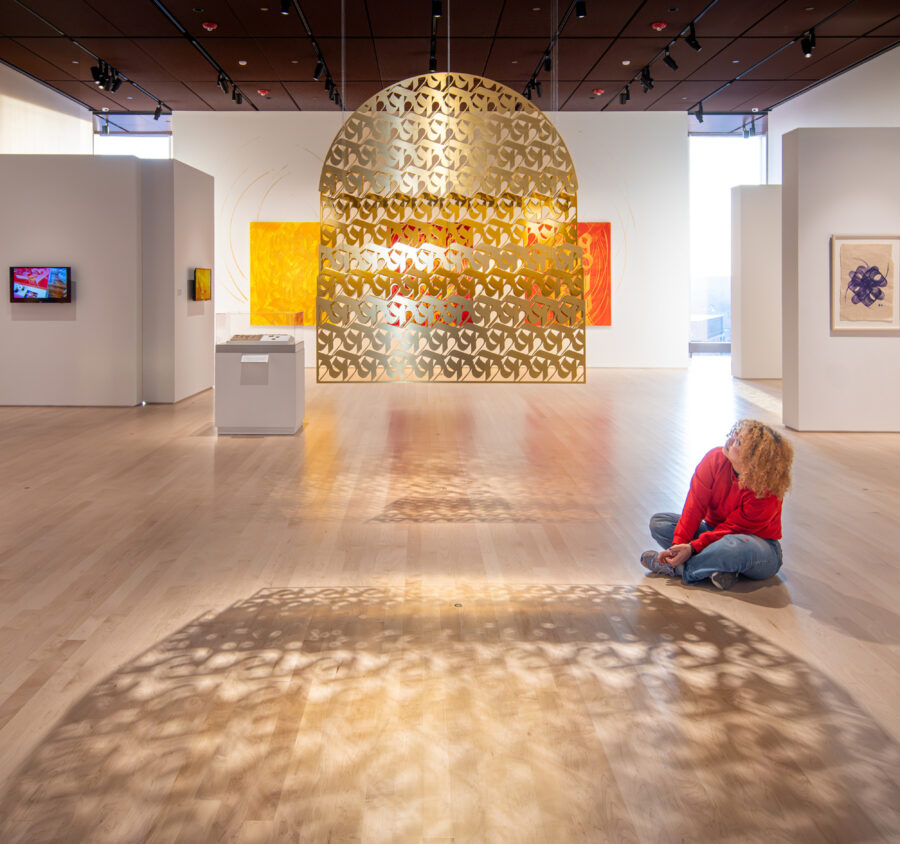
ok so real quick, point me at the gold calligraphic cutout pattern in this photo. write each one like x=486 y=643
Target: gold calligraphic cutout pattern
x=426 y=268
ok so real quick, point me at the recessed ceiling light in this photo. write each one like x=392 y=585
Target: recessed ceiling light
x=264 y=8
x=684 y=98
x=810 y=8
x=754 y=110
x=197 y=9
x=626 y=62
x=129 y=98
x=105 y=108
x=515 y=61
x=294 y=61
x=735 y=61
x=74 y=61
x=242 y=62
x=535 y=8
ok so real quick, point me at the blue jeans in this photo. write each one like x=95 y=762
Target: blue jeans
x=741 y=553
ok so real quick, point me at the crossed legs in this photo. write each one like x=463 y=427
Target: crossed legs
x=736 y=553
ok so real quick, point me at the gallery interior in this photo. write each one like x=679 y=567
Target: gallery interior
x=350 y=348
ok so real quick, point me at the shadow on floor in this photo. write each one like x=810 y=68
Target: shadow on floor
x=534 y=713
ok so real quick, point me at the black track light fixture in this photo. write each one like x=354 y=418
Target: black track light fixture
x=668 y=61
x=528 y=91
x=548 y=63
x=223 y=83
x=320 y=66
x=699 y=113
x=285 y=7
x=158 y=113
x=624 y=96
x=691 y=39
x=240 y=98
x=537 y=87
x=646 y=79
x=117 y=83
x=97 y=73
x=808 y=44
x=580 y=9
x=432 y=63
x=436 y=9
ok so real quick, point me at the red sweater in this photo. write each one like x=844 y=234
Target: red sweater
x=716 y=497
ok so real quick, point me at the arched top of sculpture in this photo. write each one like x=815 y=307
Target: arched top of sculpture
x=448 y=133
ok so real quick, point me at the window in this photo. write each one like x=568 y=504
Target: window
x=140 y=146
x=717 y=164
x=138 y=134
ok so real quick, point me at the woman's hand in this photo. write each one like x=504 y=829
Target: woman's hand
x=676 y=555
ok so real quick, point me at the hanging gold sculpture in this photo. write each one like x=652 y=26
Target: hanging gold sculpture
x=430 y=268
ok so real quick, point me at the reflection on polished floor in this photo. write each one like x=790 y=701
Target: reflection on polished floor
x=422 y=619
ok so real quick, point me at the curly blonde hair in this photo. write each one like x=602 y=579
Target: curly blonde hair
x=767 y=458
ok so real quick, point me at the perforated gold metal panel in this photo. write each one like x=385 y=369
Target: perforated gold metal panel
x=428 y=266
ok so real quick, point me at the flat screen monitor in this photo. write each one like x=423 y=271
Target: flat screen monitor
x=40 y=284
x=202 y=284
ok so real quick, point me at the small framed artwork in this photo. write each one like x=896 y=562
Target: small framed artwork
x=202 y=284
x=864 y=296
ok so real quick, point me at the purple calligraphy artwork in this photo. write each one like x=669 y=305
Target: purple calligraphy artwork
x=865 y=285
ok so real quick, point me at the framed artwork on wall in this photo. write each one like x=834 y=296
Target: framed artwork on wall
x=864 y=295
x=202 y=284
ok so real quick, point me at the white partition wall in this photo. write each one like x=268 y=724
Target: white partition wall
x=82 y=212
x=131 y=231
x=756 y=281
x=177 y=225
x=836 y=182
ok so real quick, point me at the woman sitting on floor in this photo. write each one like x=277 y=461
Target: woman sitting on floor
x=731 y=521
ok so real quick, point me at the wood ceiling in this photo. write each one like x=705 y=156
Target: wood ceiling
x=751 y=55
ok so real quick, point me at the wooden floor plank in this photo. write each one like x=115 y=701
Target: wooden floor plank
x=258 y=638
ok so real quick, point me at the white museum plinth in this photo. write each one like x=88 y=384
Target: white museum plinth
x=259 y=385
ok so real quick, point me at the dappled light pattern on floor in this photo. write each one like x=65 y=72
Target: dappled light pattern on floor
x=533 y=713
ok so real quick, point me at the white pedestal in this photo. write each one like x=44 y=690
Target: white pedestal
x=259 y=387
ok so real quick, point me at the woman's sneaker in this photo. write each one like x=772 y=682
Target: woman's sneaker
x=650 y=561
x=723 y=579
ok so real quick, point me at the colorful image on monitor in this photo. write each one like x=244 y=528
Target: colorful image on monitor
x=39 y=283
x=202 y=284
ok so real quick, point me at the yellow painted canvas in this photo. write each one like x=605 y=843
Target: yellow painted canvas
x=202 y=284
x=284 y=263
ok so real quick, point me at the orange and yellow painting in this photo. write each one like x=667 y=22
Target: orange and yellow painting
x=594 y=240
x=284 y=264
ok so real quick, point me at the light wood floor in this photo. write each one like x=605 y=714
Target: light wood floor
x=423 y=619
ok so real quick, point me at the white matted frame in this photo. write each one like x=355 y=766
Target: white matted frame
x=865 y=300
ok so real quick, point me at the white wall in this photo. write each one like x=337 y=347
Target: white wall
x=37 y=120
x=836 y=181
x=82 y=212
x=756 y=281
x=632 y=171
x=158 y=284
x=193 y=246
x=868 y=95
x=177 y=223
